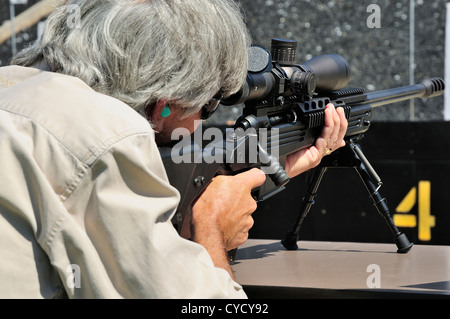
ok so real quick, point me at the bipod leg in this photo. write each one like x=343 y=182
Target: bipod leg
x=373 y=183
x=290 y=242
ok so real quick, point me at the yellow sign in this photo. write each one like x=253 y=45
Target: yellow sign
x=426 y=220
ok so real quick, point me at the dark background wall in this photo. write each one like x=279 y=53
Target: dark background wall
x=406 y=144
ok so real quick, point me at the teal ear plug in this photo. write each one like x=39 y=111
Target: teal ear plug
x=165 y=112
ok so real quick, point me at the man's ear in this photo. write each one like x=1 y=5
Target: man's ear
x=155 y=115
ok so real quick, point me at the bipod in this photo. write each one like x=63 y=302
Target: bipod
x=350 y=155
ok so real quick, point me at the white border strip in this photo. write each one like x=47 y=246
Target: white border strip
x=447 y=65
x=412 y=62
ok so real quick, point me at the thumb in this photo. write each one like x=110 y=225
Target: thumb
x=252 y=178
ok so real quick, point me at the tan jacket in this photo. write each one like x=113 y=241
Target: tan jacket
x=85 y=202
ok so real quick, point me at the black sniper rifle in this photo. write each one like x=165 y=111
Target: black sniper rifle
x=283 y=113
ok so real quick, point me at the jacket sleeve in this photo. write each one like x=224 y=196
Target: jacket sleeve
x=117 y=236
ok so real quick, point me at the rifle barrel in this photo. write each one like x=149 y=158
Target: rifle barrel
x=425 y=89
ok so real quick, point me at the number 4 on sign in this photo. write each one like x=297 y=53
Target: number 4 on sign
x=426 y=220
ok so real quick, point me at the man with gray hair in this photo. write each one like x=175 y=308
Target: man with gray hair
x=85 y=202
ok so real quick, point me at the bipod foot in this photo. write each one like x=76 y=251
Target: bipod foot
x=403 y=243
x=290 y=242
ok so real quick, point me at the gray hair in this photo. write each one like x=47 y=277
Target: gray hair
x=143 y=51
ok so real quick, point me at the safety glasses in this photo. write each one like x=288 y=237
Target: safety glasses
x=210 y=107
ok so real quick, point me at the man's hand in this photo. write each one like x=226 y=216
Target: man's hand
x=222 y=215
x=332 y=138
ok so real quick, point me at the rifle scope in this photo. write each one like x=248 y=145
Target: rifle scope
x=274 y=74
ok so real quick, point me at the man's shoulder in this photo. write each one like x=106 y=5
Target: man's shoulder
x=56 y=91
x=69 y=109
